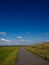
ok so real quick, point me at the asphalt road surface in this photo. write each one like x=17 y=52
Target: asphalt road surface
x=27 y=58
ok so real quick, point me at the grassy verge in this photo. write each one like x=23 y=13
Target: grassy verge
x=8 y=55
x=41 y=50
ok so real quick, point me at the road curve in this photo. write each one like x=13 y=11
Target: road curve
x=27 y=58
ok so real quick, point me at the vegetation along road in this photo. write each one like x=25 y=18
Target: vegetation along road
x=8 y=55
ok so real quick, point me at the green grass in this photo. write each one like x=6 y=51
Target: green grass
x=41 y=50
x=8 y=55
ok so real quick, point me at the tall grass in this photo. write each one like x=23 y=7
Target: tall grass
x=41 y=50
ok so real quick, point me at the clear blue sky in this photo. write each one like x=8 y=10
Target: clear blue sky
x=17 y=17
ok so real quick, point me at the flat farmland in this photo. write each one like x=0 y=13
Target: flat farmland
x=8 y=55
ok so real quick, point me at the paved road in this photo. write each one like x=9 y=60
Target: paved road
x=27 y=58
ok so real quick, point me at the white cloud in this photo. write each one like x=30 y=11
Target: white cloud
x=19 y=41
x=3 y=33
x=47 y=40
x=4 y=40
x=24 y=40
x=19 y=37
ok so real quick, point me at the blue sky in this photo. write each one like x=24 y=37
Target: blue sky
x=26 y=18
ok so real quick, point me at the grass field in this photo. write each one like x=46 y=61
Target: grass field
x=41 y=50
x=8 y=55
